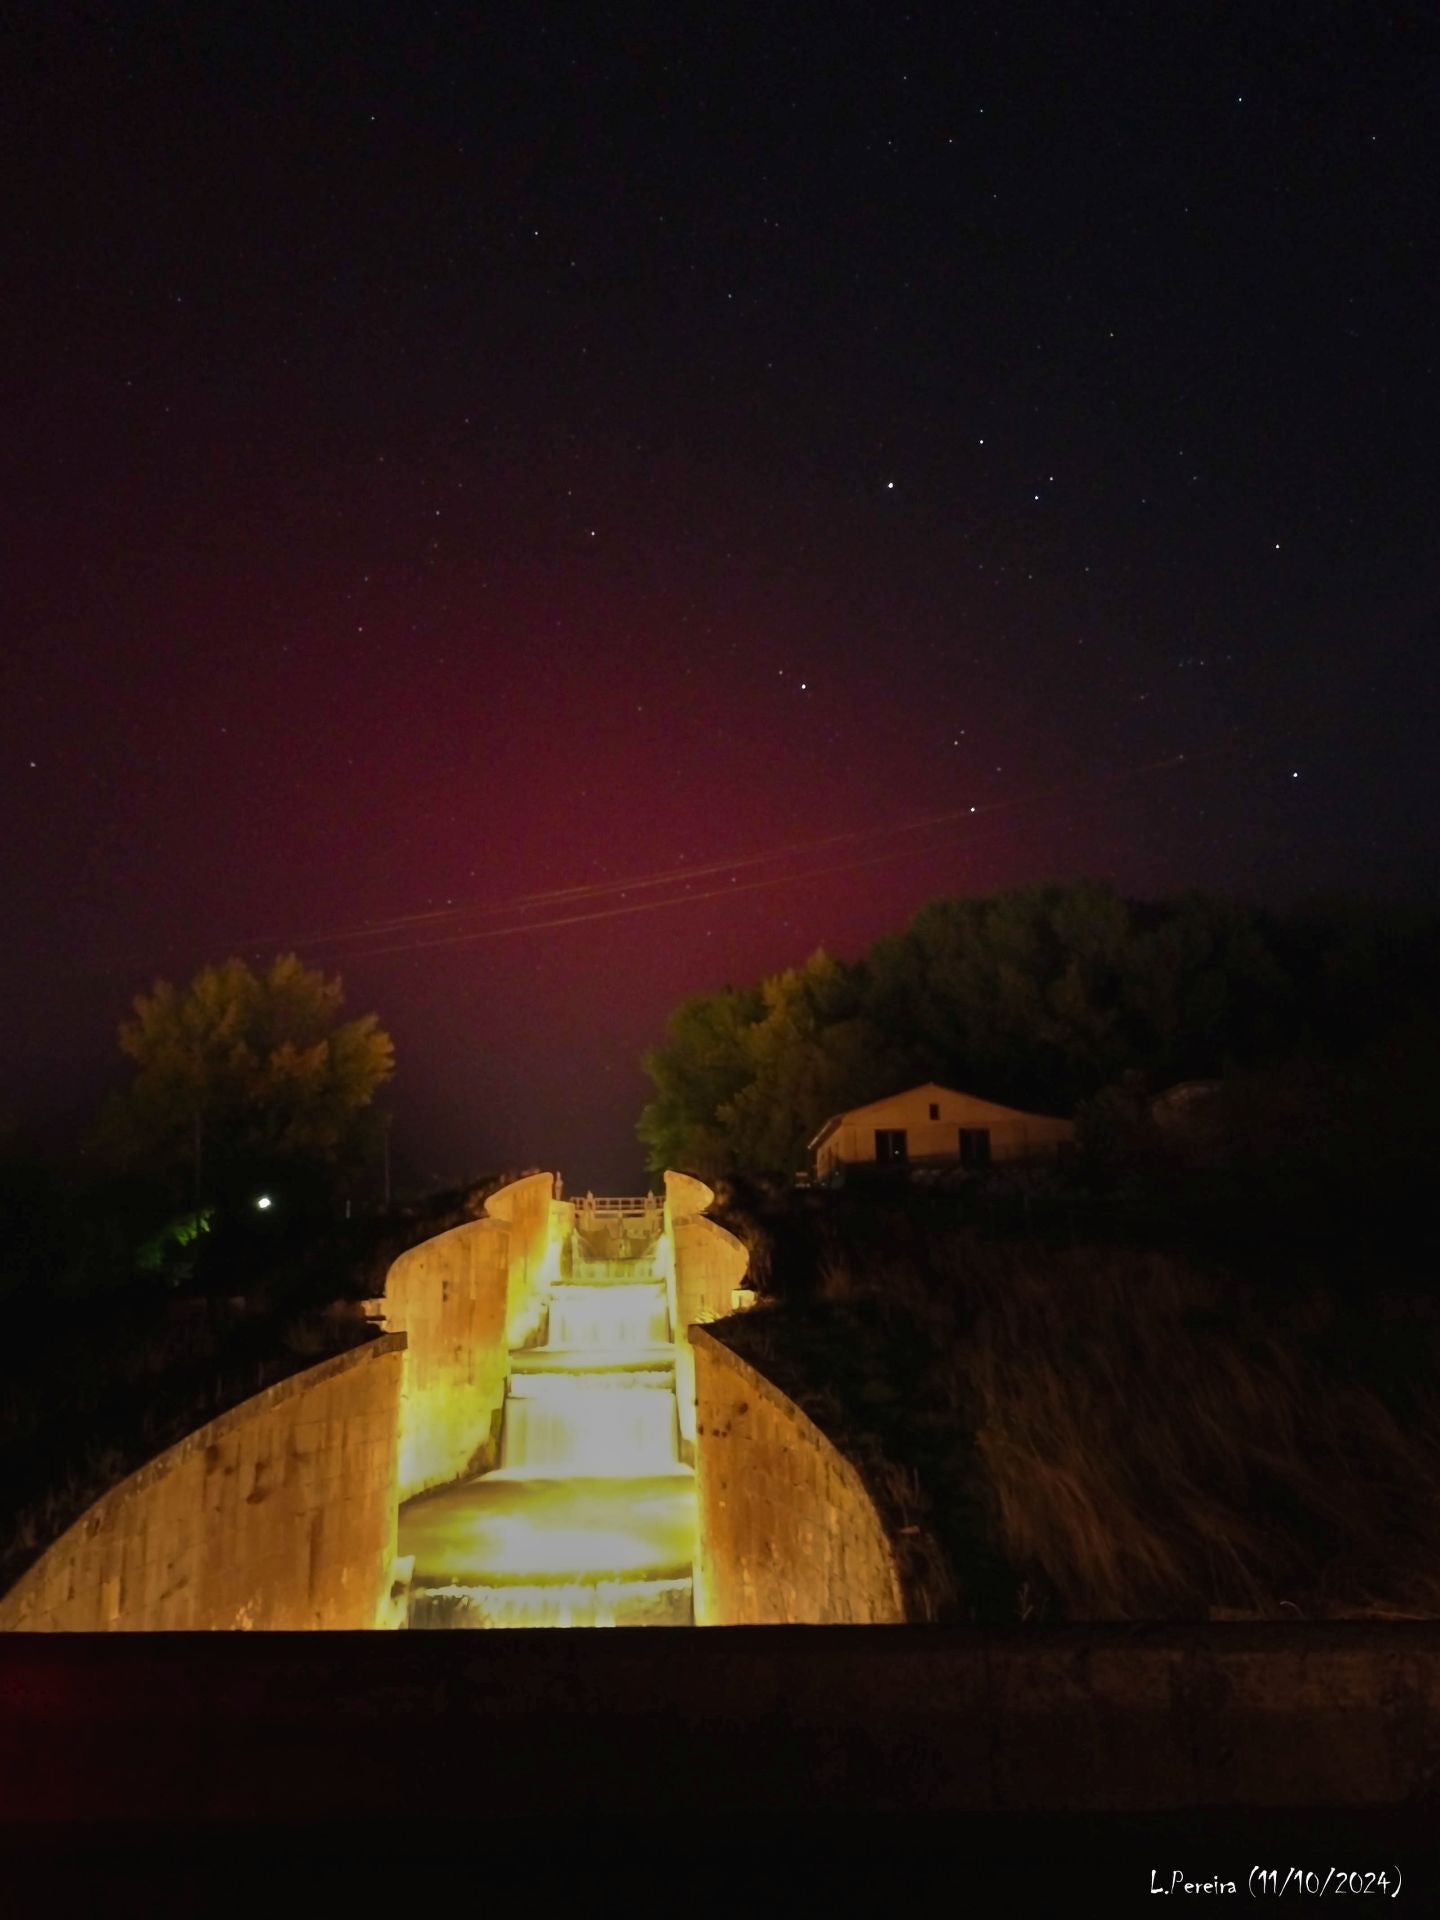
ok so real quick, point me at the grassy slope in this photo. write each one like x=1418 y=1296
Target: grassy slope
x=1103 y=1431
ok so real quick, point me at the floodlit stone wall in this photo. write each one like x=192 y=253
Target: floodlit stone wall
x=449 y=1297
x=463 y=1299
x=685 y=1195
x=788 y=1534
x=536 y=1225
x=703 y=1264
x=280 y=1514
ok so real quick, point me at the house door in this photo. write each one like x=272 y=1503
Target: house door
x=890 y=1148
x=974 y=1146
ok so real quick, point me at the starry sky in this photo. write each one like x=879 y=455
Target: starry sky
x=548 y=510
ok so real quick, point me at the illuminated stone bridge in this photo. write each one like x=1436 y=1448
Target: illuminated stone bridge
x=545 y=1433
x=589 y=1519
x=536 y=1429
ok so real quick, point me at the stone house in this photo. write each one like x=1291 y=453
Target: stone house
x=934 y=1126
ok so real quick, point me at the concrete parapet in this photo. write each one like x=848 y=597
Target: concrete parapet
x=464 y=1299
x=1014 y=1722
x=788 y=1533
x=702 y=1264
x=279 y=1514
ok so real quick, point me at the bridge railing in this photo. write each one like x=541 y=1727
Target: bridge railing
x=616 y=1227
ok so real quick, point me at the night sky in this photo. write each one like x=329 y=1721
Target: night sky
x=467 y=468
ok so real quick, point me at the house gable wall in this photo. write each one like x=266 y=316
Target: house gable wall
x=1013 y=1135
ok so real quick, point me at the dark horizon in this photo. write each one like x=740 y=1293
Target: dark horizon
x=498 y=454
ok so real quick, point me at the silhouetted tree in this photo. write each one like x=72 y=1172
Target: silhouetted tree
x=1018 y=995
x=240 y=1074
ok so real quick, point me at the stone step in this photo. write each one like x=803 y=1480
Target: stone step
x=590 y=1603
x=613 y=1273
x=587 y=1360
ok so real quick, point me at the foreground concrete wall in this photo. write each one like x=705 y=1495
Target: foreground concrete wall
x=703 y=1264
x=279 y=1514
x=463 y=1299
x=788 y=1533
x=481 y=1726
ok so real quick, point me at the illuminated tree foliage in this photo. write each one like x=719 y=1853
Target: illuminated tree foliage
x=241 y=1072
x=743 y=1074
x=699 y=1070
x=1036 y=998
x=810 y=1051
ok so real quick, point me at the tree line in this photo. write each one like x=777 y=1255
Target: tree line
x=1040 y=998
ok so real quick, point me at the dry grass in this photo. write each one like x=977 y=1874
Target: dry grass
x=1133 y=1436
x=1161 y=1443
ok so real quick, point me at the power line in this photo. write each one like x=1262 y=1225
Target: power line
x=953 y=817
x=362 y=935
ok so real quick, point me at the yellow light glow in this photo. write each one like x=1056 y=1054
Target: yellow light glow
x=590 y=1518
x=601 y=1603
x=611 y=1317
x=598 y=1425
x=501 y=1528
x=524 y=1548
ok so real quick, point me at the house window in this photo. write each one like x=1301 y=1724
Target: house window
x=890 y=1146
x=934 y=1109
x=974 y=1146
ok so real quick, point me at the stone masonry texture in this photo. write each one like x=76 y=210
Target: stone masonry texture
x=280 y=1514
x=788 y=1533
